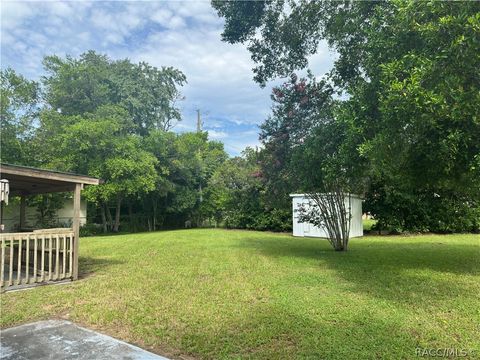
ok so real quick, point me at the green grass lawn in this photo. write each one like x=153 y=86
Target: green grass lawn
x=240 y=294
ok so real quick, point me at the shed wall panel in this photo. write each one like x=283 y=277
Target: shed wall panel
x=310 y=230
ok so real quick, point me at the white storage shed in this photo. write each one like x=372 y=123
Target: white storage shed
x=307 y=229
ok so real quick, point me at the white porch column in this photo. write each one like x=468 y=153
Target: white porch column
x=22 y=211
x=76 y=227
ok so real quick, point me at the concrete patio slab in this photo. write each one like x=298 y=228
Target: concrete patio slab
x=58 y=339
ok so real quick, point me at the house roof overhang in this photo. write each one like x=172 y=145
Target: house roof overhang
x=24 y=180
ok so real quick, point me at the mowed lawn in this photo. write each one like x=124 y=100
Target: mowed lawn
x=240 y=294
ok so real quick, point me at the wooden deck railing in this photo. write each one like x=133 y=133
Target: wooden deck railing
x=35 y=257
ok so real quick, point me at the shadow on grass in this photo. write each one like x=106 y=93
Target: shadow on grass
x=90 y=266
x=273 y=331
x=396 y=269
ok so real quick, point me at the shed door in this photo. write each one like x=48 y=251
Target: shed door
x=306 y=227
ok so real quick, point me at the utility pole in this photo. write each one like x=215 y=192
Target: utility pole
x=199 y=130
x=199 y=121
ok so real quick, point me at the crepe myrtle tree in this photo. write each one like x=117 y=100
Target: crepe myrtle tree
x=312 y=146
x=331 y=210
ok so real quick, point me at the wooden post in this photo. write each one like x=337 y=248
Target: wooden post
x=22 y=212
x=76 y=228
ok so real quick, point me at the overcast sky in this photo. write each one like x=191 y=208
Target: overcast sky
x=185 y=35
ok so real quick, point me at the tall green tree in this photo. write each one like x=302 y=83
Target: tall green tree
x=150 y=95
x=99 y=144
x=410 y=74
x=300 y=107
x=237 y=196
x=235 y=192
x=98 y=113
x=196 y=161
x=185 y=164
x=19 y=101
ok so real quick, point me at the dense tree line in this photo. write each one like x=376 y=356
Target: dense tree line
x=396 y=120
x=397 y=117
x=109 y=119
x=112 y=120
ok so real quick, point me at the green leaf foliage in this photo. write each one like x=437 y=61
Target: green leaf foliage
x=405 y=130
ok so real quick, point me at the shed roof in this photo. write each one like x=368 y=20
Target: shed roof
x=306 y=196
x=29 y=180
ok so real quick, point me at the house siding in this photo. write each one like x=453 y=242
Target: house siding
x=11 y=215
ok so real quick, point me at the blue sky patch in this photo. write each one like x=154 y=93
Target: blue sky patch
x=185 y=35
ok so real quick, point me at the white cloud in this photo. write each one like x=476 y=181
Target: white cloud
x=185 y=35
x=61 y=9
x=176 y=22
x=213 y=134
x=161 y=16
x=13 y=14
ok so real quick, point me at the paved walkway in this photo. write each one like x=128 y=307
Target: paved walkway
x=58 y=339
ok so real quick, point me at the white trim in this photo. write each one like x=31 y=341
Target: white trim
x=305 y=196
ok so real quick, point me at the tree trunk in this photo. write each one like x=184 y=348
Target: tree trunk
x=104 y=219
x=109 y=217
x=154 y=206
x=133 y=225
x=329 y=211
x=117 y=214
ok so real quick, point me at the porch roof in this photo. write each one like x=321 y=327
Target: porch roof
x=25 y=180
